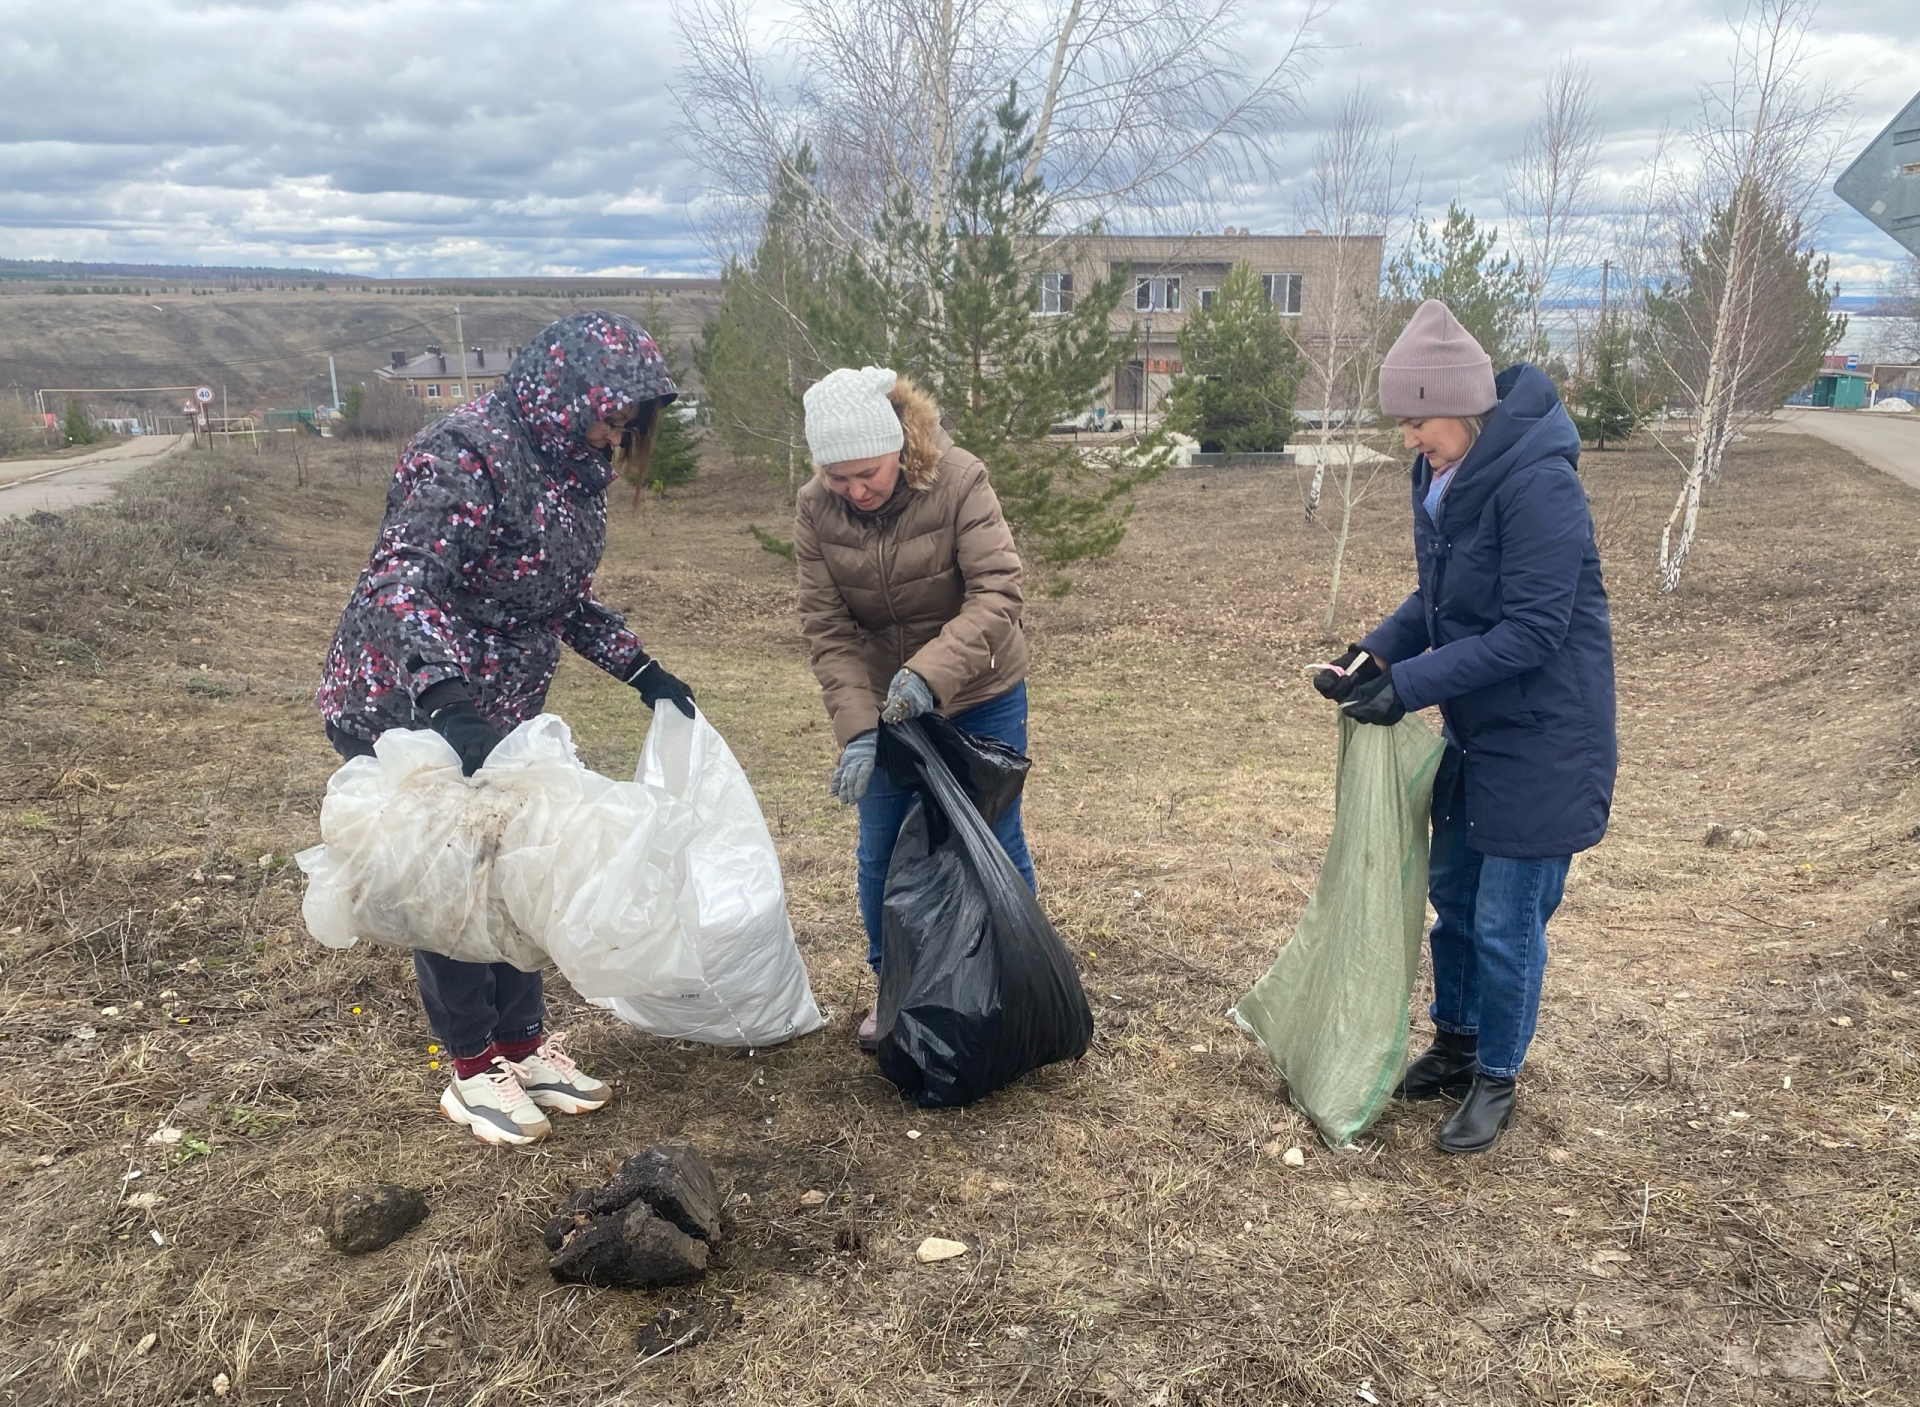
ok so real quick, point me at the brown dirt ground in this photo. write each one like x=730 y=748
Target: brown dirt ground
x=1709 y=1196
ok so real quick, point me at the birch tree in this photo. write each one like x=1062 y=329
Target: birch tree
x=1356 y=192
x=1761 y=150
x=1146 y=109
x=1547 y=196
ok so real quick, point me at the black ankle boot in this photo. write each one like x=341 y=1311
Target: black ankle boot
x=1481 y=1118
x=1445 y=1069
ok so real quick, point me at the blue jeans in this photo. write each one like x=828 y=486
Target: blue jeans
x=883 y=810
x=1490 y=938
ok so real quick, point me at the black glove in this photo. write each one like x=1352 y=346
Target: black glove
x=1375 y=701
x=655 y=684
x=1340 y=687
x=450 y=713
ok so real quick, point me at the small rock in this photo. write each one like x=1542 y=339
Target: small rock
x=221 y=1385
x=360 y=1221
x=166 y=1136
x=936 y=1248
x=913 y=1133
x=1294 y=1158
x=815 y=1198
x=633 y=1250
x=1843 y=1020
x=145 y=1346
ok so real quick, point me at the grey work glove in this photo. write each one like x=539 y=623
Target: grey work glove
x=850 y=778
x=907 y=697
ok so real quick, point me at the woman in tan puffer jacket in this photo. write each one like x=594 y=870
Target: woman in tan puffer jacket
x=909 y=598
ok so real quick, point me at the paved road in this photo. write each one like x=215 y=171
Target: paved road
x=1888 y=442
x=54 y=485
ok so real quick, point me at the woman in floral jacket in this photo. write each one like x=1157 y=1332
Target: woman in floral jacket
x=494 y=527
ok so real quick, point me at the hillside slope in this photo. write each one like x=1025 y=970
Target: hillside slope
x=270 y=347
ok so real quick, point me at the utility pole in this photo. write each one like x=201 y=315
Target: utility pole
x=1605 y=265
x=460 y=336
x=334 y=378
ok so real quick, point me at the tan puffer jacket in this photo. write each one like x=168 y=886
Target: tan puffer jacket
x=931 y=582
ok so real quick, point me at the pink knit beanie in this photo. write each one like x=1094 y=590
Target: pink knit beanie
x=1436 y=368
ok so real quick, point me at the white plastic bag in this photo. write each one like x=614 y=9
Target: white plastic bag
x=740 y=980
x=407 y=855
x=659 y=898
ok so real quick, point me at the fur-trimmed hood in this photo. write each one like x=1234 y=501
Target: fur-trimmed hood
x=926 y=440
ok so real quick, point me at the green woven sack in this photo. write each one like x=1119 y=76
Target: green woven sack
x=1331 y=1014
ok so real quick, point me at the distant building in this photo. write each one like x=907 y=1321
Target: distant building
x=1173 y=275
x=436 y=376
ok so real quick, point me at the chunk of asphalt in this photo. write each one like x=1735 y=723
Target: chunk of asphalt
x=365 y=1219
x=631 y=1250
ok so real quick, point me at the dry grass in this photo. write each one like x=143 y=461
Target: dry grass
x=1709 y=1197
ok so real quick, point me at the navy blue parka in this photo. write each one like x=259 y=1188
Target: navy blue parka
x=1509 y=633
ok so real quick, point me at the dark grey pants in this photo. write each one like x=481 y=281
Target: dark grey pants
x=470 y=1005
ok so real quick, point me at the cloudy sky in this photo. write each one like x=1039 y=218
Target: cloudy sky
x=535 y=136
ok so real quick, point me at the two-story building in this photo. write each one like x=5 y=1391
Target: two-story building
x=1174 y=275
x=440 y=379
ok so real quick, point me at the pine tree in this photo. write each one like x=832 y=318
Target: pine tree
x=1239 y=370
x=1787 y=321
x=955 y=306
x=1456 y=265
x=675 y=458
x=755 y=358
x=1608 y=406
x=79 y=428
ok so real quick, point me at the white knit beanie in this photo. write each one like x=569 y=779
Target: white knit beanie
x=849 y=416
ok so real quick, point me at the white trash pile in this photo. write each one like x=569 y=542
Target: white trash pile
x=659 y=898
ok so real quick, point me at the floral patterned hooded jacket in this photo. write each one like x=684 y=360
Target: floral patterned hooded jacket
x=495 y=523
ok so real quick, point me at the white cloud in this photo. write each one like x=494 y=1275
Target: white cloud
x=484 y=137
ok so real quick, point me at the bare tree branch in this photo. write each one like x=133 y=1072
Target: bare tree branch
x=1547 y=194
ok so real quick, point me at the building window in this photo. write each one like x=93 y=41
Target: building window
x=433 y=392
x=1156 y=295
x=1056 y=293
x=1283 y=291
x=413 y=390
x=1207 y=295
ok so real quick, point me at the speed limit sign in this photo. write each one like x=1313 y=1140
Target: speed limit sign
x=203 y=395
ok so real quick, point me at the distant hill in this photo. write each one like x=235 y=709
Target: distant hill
x=268 y=346
x=47 y=269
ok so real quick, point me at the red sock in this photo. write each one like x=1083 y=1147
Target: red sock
x=465 y=1067
x=516 y=1050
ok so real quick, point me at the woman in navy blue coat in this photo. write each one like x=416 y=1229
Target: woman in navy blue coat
x=1508 y=633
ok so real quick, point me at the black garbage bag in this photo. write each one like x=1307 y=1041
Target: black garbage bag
x=976 y=988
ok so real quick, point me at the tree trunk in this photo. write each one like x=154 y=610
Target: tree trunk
x=1686 y=515
x=1045 y=124
x=1340 y=544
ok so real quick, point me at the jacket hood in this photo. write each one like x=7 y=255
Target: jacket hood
x=584 y=368
x=926 y=441
x=1528 y=425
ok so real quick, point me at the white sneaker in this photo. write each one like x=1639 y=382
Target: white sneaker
x=553 y=1081
x=495 y=1107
